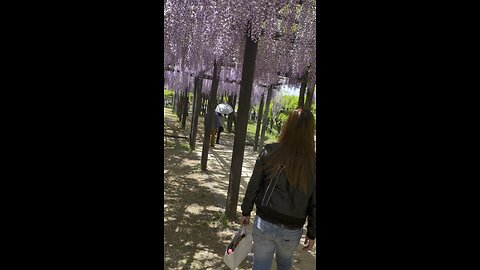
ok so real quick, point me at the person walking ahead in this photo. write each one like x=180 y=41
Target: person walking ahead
x=214 y=127
x=282 y=187
x=221 y=127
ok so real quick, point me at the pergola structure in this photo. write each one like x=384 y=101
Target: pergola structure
x=256 y=41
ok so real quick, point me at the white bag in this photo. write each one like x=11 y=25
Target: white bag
x=244 y=247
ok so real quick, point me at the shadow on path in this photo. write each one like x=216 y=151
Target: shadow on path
x=196 y=232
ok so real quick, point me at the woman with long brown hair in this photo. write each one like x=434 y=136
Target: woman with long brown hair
x=282 y=187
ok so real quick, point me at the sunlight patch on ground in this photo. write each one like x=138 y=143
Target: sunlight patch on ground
x=225 y=235
x=194 y=209
x=181 y=263
x=189 y=243
x=218 y=175
x=188 y=162
x=208 y=258
x=214 y=208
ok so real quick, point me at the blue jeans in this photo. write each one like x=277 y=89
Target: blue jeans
x=269 y=238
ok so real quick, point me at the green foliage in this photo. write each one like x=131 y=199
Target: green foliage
x=283 y=10
x=168 y=97
x=289 y=103
x=170 y=94
x=282 y=117
x=167 y=93
x=294 y=28
x=251 y=127
x=220 y=220
x=269 y=137
x=183 y=146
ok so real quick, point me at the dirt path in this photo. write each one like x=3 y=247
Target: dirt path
x=196 y=232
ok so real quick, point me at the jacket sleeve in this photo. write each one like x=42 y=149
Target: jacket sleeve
x=254 y=185
x=312 y=215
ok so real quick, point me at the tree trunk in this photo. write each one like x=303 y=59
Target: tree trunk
x=179 y=105
x=193 y=106
x=303 y=86
x=257 y=131
x=185 y=109
x=212 y=102
x=204 y=104
x=230 y=122
x=181 y=108
x=179 y=101
x=196 y=112
x=174 y=100
x=234 y=102
x=265 y=117
x=248 y=71
x=234 y=115
x=308 y=102
x=230 y=116
x=193 y=112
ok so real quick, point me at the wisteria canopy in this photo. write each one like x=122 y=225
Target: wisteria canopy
x=197 y=32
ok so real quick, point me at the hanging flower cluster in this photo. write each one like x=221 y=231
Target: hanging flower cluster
x=257 y=92
x=303 y=53
x=198 y=32
x=206 y=86
x=277 y=104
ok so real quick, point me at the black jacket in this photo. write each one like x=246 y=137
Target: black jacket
x=276 y=201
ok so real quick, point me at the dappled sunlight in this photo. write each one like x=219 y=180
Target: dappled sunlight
x=194 y=209
x=165 y=219
x=225 y=235
x=195 y=230
x=213 y=208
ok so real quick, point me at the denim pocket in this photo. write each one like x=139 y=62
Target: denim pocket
x=290 y=240
x=261 y=236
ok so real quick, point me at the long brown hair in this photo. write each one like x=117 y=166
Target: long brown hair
x=296 y=151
